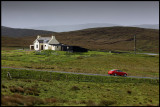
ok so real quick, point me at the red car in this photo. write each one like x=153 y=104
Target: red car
x=116 y=72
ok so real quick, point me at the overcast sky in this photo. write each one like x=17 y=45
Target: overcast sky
x=23 y=14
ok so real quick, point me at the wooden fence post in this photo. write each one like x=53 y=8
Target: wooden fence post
x=50 y=76
x=9 y=75
x=66 y=78
x=27 y=75
x=78 y=79
x=40 y=76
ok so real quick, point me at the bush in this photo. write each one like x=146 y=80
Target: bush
x=50 y=100
x=129 y=91
x=45 y=52
x=106 y=102
x=11 y=101
x=91 y=103
x=74 y=88
x=80 y=57
x=3 y=86
x=16 y=89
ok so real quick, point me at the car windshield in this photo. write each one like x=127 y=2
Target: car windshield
x=119 y=71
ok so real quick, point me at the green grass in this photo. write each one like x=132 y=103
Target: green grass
x=87 y=62
x=66 y=90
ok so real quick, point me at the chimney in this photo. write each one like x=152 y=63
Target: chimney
x=53 y=36
x=38 y=36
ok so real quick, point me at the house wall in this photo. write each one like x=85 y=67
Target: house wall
x=55 y=48
x=46 y=46
x=31 y=47
x=35 y=45
x=40 y=48
x=50 y=47
x=58 y=48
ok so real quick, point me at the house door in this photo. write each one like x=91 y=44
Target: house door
x=41 y=47
x=32 y=47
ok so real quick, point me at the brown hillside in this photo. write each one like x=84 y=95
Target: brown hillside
x=107 y=38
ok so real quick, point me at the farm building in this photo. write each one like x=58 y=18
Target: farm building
x=45 y=43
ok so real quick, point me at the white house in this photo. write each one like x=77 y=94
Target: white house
x=45 y=43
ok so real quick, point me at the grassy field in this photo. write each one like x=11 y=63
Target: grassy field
x=66 y=90
x=88 y=62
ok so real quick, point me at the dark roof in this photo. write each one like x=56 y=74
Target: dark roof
x=56 y=44
x=44 y=39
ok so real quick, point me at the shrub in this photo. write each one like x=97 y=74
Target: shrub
x=80 y=57
x=28 y=104
x=129 y=91
x=20 y=90
x=74 y=88
x=108 y=89
x=62 y=100
x=44 y=52
x=91 y=103
x=17 y=99
x=36 y=93
x=28 y=81
x=150 y=100
x=3 y=86
x=50 y=100
x=12 y=89
x=83 y=102
x=34 y=100
x=11 y=101
x=32 y=90
x=106 y=102
x=150 y=105
x=28 y=92
x=16 y=89
x=18 y=95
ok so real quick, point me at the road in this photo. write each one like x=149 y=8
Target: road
x=82 y=73
x=148 y=53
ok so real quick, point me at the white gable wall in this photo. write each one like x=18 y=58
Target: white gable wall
x=36 y=45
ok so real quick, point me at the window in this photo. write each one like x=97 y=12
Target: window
x=45 y=45
x=36 y=46
x=57 y=46
x=119 y=71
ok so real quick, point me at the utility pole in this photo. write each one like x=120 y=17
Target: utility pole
x=135 y=44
